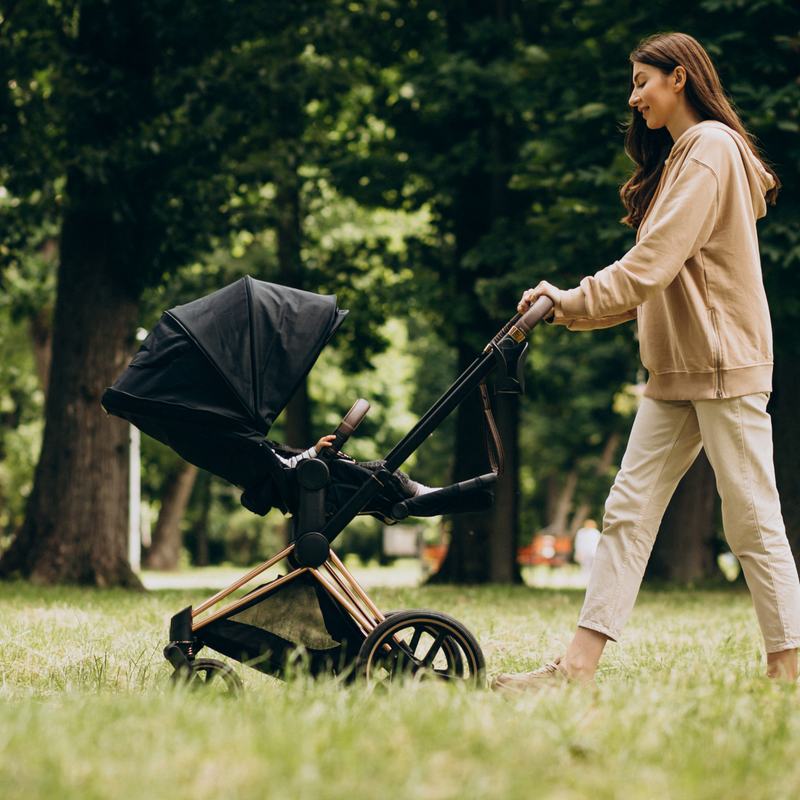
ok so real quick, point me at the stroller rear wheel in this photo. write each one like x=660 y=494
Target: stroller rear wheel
x=209 y=676
x=422 y=644
x=452 y=652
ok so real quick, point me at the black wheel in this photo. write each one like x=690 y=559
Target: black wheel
x=424 y=645
x=452 y=652
x=209 y=676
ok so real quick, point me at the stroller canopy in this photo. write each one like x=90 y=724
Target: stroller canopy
x=213 y=375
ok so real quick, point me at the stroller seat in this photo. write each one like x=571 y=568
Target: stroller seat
x=280 y=488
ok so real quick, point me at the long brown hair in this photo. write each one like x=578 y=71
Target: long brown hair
x=649 y=149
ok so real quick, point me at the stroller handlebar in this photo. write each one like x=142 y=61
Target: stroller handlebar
x=345 y=428
x=353 y=417
x=533 y=316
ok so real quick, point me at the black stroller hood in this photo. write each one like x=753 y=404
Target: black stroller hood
x=213 y=375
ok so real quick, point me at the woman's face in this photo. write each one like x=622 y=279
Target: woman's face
x=654 y=95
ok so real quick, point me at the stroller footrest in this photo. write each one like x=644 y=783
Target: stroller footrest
x=473 y=495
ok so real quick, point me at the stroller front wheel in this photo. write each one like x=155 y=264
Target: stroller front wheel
x=209 y=676
x=422 y=644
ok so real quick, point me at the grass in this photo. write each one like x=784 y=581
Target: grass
x=679 y=710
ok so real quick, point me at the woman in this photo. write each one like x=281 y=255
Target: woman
x=694 y=282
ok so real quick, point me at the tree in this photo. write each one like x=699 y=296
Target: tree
x=447 y=88
x=121 y=118
x=167 y=536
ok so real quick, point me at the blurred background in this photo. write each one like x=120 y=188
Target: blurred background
x=423 y=161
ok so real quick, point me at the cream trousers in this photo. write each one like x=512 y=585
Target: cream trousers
x=665 y=439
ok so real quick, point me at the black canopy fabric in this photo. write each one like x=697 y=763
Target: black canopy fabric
x=213 y=375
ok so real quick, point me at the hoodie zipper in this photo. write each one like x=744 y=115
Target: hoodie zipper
x=717 y=353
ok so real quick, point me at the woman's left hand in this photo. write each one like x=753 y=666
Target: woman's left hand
x=530 y=296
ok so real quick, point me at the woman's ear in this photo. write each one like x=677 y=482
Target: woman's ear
x=678 y=78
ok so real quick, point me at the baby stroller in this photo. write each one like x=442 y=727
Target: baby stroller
x=209 y=381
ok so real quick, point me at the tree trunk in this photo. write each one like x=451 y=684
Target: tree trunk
x=203 y=490
x=483 y=546
x=557 y=525
x=786 y=436
x=684 y=550
x=468 y=557
x=40 y=327
x=164 y=552
x=41 y=336
x=76 y=526
x=584 y=507
x=297 y=414
x=504 y=539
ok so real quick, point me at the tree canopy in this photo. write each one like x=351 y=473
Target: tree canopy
x=424 y=161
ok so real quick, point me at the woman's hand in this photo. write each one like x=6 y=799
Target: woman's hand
x=530 y=296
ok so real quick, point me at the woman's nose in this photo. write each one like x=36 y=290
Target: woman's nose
x=634 y=98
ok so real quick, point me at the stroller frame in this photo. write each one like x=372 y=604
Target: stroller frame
x=391 y=642
x=209 y=381
x=341 y=585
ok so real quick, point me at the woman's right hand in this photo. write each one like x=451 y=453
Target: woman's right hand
x=530 y=296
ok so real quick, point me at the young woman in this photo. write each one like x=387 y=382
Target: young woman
x=693 y=280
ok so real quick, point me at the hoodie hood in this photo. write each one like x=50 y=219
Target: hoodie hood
x=759 y=180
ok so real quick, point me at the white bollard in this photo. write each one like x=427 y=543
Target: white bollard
x=135 y=502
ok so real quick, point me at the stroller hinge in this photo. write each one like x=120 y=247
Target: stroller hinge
x=311 y=547
x=510 y=357
x=382 y=475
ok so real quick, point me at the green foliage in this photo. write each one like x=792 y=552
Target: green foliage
x=574 y=385
x=21 y=402
x=438 y=159
x=144 y=110
x=505 y=120
x=762 y=78
x=25 y=308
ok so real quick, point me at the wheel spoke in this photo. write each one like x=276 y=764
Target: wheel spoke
x=434 y=649
x=425 y=644
x=211 y=674
x=405 y=660
x=414 y=643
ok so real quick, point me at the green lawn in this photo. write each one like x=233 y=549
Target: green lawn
x=679 y=710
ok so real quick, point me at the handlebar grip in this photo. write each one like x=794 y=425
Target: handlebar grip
x=353 y=417
x=534 y=315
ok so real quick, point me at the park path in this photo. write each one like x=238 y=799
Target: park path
x=405 y=573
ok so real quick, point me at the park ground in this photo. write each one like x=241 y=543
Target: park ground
x=680 y=708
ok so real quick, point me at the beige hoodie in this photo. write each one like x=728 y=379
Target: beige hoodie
x=693 y=279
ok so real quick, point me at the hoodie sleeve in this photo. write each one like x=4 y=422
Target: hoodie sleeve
x=682 y=223
x=591 y=323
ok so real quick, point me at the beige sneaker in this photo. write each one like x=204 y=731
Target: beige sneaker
x=551 y=674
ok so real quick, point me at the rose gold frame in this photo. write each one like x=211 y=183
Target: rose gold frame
x=338 y=582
